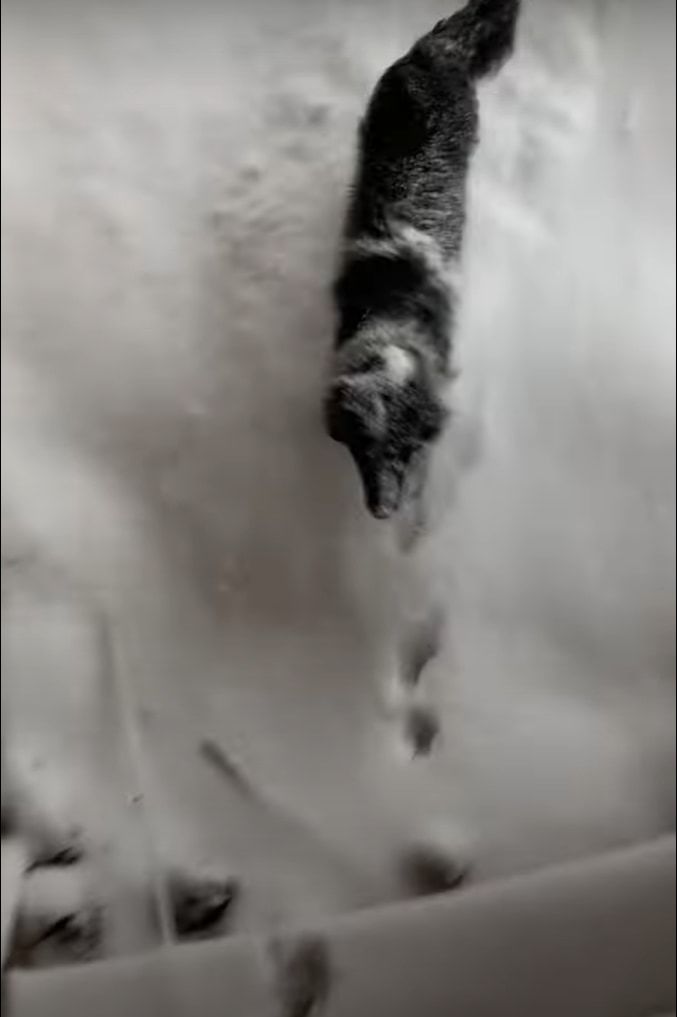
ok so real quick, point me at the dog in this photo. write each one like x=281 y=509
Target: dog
x=396 y=294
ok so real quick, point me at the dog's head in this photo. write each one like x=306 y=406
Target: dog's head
x=387 y=409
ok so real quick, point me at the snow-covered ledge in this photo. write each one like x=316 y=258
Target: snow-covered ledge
x=593 y=938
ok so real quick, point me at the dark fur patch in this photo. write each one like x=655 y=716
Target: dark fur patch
x=482 y=34
x=396 y=287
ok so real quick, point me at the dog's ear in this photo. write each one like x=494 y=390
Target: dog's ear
x=354 y=410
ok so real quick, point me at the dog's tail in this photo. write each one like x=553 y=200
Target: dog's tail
x=479 y=37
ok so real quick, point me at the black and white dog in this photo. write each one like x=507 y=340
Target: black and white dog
x=395 y=291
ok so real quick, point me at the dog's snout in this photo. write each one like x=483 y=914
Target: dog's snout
x=382 y=491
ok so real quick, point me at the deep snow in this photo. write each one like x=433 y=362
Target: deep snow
x=185 y=554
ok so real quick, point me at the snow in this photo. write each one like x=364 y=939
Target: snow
x=185 y=553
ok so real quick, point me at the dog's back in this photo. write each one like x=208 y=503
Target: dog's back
x=420 y=127
x=415 y=142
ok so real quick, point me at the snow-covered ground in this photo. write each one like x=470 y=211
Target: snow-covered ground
x=185 y=554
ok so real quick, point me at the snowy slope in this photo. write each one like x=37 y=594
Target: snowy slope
x=185 y=554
